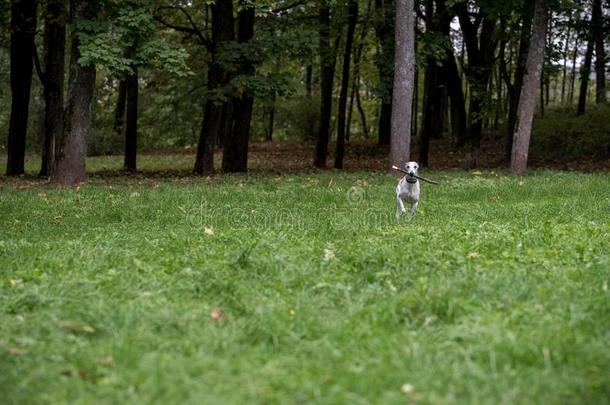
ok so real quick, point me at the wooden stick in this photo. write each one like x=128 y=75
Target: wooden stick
x=417 y=177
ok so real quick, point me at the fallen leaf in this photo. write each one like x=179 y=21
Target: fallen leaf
x=328 y=255
x=476 y=173
x=217 y=314
x=42 y=194
x=15 y=282
x=472 y=255
x=74 y=326
x=407 y=388
x=105 y=361
x=15 y=351
x=67 y=371
x=520 y=184
x=209 y=231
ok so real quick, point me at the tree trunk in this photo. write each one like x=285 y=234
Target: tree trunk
x=54 y=55
x=566 y=48
x=383 y=24
x=310 y=135
x=355 y=94
x=365 y=128
x=433 y=111
x=119 y=113
x=347 y=57
x=402 y=94
x=327 y=72
x=600 y=52
x=527 y=100
x=23 y=29
x=481 y=49
x=514 y=90
x=309 y=80
x=269 y=134
x=585 y=71
x=73 y=144
x=456 y=98
x=385 y=124
x=542 y=92
x=235 y=155
x=131 y=122
x=217 y=112
x=573 y=73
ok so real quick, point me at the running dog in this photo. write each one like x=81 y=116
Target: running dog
x=407 y=190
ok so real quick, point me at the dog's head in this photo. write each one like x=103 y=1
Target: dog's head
x=411 y=168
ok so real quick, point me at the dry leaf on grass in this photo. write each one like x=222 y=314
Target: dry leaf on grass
x=15 y=351
x=15 y=282
x=217 y=314
x=104 y=361
x=74 y=326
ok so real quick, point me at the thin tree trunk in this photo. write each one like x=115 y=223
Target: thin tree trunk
x=23 y=29
x=73 y=144
x=585 y=71
x=235 y=155
x=415 y=102
x=310 y=135
x=217 y=113
x=327 y=73
x=269 y=135
x=347 y=57
x=600 y=52
x=355 y=94
x=365 y=128
x=53 y=83
x=527 y=100
x=573 y=73
x=402 y=94
x=309 y=80
x=119 y=112
x=385 y=123
x=350 y=111
x=384 y=31
x=566 y=48
x=480 y=62
x=456 y=97
x=542 y=91
x=131 y=121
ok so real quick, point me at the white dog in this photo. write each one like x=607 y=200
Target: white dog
x=407 y=190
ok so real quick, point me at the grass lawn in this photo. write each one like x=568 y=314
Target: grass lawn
x=304 y=289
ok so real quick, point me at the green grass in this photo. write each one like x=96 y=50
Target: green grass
x=495 y=293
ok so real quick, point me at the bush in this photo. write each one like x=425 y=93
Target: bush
x=563 y=135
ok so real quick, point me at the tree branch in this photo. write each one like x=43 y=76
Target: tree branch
x=280 y=10
x=190 y=30
x=39 y=71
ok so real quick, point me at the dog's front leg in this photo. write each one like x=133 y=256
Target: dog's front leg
x=400 y=207
x=413 y=210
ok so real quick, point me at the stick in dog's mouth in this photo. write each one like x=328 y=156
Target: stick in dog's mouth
x=414 y=175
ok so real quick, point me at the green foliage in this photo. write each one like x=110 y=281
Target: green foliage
x=563 y=136
x=124 y=37
x=494 y=293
